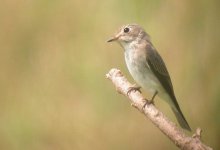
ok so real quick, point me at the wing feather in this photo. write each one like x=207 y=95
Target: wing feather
x=159 y=69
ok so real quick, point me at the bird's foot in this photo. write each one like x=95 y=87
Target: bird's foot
x=134 y=88
x=147 y=102
x=152 y=99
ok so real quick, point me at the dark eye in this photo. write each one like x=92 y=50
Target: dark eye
x=126 y=30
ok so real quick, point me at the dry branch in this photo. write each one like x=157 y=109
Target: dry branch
x=176 y=135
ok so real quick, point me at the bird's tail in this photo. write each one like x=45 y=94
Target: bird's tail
x=171 y=100
x=180 y=118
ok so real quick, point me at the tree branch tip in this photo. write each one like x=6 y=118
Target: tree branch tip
x=114 y=72
x=108 y=75
x=198 y=133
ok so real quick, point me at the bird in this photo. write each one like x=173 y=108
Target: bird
x=147 y=67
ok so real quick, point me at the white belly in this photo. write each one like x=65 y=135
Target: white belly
x=140 y=71
x=142 y=74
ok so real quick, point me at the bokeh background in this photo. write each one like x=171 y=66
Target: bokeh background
x=53 y=61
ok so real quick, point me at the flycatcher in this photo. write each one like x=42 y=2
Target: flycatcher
x=147 y=67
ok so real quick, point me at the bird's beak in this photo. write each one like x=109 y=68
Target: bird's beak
x=114 y=38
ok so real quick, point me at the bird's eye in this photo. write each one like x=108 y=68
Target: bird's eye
x=126 y=30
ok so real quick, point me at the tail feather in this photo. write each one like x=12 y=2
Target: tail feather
x=181 y=119
x=171 y=100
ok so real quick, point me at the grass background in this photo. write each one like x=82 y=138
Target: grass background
x=53 y=61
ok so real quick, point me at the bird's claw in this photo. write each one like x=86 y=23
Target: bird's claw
x=147 y=102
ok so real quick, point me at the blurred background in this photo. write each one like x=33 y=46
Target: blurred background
x=53 y=61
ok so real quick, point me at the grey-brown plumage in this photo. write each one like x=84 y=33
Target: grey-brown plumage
x=159 y=69
x=147 y=67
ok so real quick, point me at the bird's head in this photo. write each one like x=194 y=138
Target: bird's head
x=128 y=33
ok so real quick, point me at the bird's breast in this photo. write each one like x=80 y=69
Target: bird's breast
x=137 y=65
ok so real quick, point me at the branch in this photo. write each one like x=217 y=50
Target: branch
x=175 y=134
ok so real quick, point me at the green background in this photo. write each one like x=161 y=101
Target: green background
x=53 y=61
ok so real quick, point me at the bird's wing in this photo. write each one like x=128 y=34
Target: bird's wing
x=158 y=67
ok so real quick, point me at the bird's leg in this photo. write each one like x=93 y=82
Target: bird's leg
x=134 y=87
x=150 y=101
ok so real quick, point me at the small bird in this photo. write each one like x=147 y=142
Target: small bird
x=147 y=67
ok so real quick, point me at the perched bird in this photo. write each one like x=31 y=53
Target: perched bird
x=147 y=67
